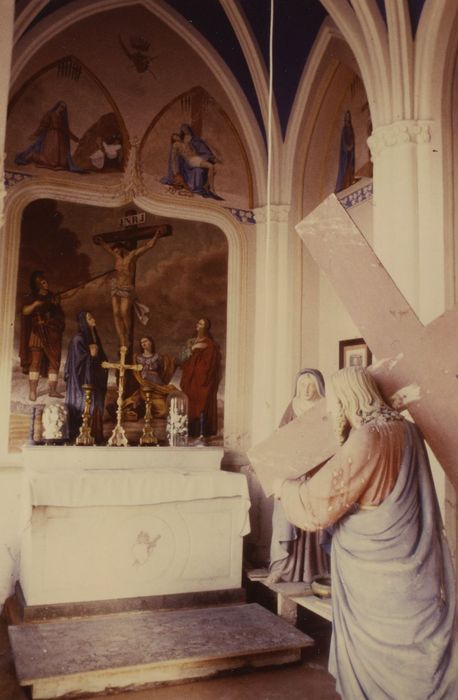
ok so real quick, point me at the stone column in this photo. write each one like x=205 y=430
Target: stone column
x=407 y=207
x=408 y=221
x=275 y=307
x=6 y=47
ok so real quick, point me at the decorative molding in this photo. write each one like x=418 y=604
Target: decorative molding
x=406 y=131
x=279 y=213
x=357 y=197
x=13 y=177
x=243 y=215
x=133 y=184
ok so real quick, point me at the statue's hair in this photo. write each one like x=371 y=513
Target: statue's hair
x=357 y=394
x=356 y=390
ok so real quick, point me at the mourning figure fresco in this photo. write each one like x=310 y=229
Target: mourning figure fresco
x=51 y=142
x=100 y=148
x=191 y=164
x=346 y=171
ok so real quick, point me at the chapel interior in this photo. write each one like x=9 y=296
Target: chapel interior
x=290 y=119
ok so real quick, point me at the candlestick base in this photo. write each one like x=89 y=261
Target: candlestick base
x=118 y=437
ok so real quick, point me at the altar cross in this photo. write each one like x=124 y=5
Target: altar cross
x=118 y=437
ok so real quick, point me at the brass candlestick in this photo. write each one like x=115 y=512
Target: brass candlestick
x=85 y=436
x=148 y=437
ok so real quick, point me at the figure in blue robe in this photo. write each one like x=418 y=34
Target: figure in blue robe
x=191 y=164
x=51 y=145
x=346 y=172
x=84 y=366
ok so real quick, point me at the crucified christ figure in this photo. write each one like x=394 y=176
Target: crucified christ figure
x=123 y=280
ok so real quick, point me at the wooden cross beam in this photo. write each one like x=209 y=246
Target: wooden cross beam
x=418 y=366
x=132 y=234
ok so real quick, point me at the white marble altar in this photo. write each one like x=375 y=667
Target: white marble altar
x=110 y=523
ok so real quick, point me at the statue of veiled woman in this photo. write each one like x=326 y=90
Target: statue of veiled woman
x=296 y=555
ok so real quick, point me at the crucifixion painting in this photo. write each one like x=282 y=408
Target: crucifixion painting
x=124 y=250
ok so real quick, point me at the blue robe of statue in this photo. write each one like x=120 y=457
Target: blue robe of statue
x=81 y=368
x=393 y=594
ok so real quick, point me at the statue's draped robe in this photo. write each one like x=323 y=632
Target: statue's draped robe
x=200 y=380
x=51 y=148
x=295 y=555
x=156 y=381
x=393 y=591
x=81 y=368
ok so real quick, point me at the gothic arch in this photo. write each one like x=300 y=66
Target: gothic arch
x=28 y=45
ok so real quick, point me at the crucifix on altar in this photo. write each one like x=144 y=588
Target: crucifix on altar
x=123 y=246
x=118 y=437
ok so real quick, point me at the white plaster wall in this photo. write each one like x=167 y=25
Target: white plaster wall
x=11 y=525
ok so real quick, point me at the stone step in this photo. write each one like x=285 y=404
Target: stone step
x=291 y=595
x=141 y=649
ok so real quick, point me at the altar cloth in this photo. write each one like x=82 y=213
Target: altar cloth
x=135 y=487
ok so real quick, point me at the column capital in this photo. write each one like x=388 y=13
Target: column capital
x=279 y=213
x=398 y=133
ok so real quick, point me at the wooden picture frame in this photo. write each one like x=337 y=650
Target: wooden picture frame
x=354 y=353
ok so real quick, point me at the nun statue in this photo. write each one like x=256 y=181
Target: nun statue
x=296 y=555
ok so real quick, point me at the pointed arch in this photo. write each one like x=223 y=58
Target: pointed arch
x=226 y=119
x=61 y=19
x=375 y=76
x=105 y=92
x=260 y=78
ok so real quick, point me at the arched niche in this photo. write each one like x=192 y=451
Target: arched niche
x=197 y=110
x=236 y=345
x=330 y=85
x=99 y=125
x=185 y=56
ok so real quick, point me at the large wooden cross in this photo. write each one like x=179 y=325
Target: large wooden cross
x=418 y=365
x=118 y=437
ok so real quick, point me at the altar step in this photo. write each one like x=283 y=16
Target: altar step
x=287 y=597
x=137 y=650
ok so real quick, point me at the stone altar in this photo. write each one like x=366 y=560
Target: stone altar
x=108 y=523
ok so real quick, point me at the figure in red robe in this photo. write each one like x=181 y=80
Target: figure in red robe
x=200 y=380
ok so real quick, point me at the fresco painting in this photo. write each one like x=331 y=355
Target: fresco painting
x=66 y=138
x=66 y=321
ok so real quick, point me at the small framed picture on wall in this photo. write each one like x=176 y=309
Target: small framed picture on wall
x=354 y=353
